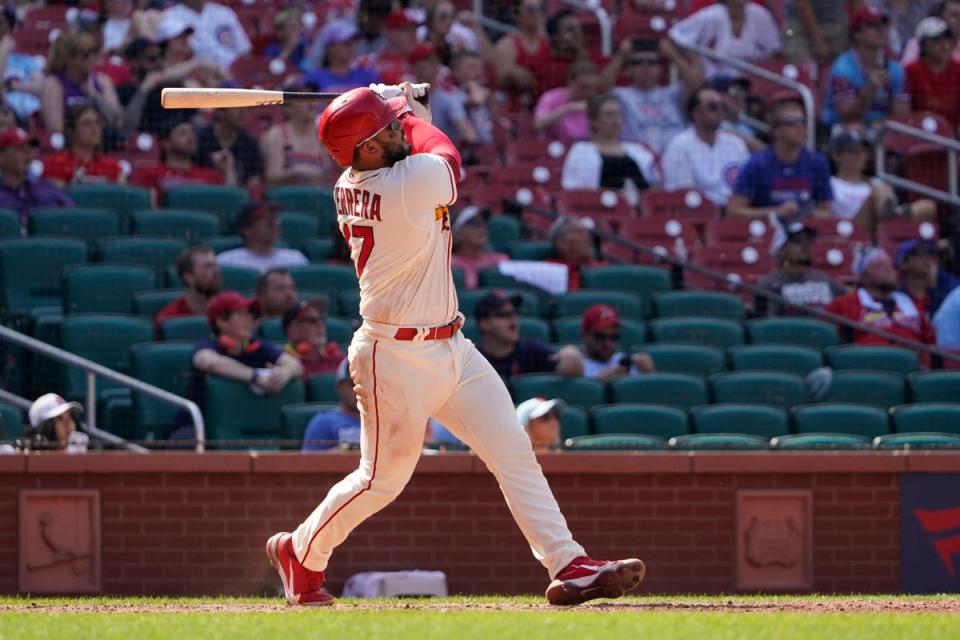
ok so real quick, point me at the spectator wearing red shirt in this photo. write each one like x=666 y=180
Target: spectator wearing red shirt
x=392 y=62
x=178 y=148
x=574 y=246
x=933 y=81
x=305 y=325
x=520 y=54
x=82 y=161
x=198 y=270
x=877 y=303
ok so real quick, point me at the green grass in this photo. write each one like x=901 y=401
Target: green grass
x=713 y=618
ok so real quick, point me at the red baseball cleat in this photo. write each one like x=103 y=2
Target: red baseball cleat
x=585 y=579
x=301 y=586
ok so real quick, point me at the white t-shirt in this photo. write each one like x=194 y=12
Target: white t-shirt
x=689 y=162
x=711 y=28
x=217 y=33
x=279 y=258
x=400 y=239
x=653 y=116
x=848 y=197
x=593 y=368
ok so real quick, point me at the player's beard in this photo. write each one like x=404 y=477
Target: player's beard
x=395 y=153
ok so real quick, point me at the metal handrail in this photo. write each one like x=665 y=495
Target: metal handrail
x=809 y=105
x=93 y=369
x=950 y=145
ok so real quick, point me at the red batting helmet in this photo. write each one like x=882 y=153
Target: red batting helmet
x=354 y=117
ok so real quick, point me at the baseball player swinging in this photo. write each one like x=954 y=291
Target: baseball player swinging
x=409 y=361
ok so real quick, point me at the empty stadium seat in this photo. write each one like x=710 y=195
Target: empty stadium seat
x=190 y=226
x=616 y=442
x=698 y=303
x=719 y=441
x=663 y=236
x=41 y=284
x=238 y=278
x=775 y=357
x=934 y=386
x=157 y=253
x=940 y=417
x=534 y=328
x=530 y=306
x=573 y=422
x=234 y=412
x=297 y=228
x=674 y=389
x=10 y=224
x=349 y=303
x=856 y=419
x=894 y=231
x=72 y=222
x=838 y=229
x=322 y=387
x=694 y=359
x=873 y=358
x=324 y=277
x=605 y=206
x=106 y=288
x=148 y=303
x=123 y=199
x=537 y=250
x=220 y=244
x=629 y=305
x=877 y=388
x=721 y=231
x=714 y=332
x=187 y=328
x=635 y=279
x=764 y=387
x=579 y=392
x=742 y=418
x=221 y=200
x=568 y=331
x=162 y=364
x=104 y=338
x=11 y=421
x=798 y=331
x=688 y=204
x=315 y=201
x=643 y=419
x=923 y=441
x=504 y=231
x=735 y=262
x=294 y=419
x=830 y=441
x=318 y=249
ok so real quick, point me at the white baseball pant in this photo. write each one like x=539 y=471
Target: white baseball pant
x=400 y=384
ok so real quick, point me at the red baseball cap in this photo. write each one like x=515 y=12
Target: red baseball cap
x=226 y=302
x=14 y=137
x=422 y=51
x=867 y=16
x=600 y=316
x=399 y=20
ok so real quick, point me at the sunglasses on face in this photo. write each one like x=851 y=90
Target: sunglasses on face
x=599 y=336
x=504 y=314
x=790 y=122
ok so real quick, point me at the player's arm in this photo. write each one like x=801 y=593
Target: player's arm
x=426 y=138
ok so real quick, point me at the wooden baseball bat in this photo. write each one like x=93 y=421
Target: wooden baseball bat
x=204 y=98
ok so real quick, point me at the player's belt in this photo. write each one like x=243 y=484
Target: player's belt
x=435 y=333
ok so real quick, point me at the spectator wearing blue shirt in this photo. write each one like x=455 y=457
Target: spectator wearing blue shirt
x=947 y=322
x=339 y=51
x=338 y=428
x=864 y=84
x=785 y=179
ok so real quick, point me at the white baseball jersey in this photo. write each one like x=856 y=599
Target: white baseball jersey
x=689 y=162
x=396 y=222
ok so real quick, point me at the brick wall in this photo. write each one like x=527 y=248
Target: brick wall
x=186 y=524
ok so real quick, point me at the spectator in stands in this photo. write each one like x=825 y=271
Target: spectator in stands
x=604 y=161
x=949 y=12
x=218 y=35
x=786 y=179
x=574 y=245
x=501 y=344
x=22 y=72
x=233 y=353
x=877 y=303
x=704 y=157
x=199 y=272
x=734 y=91
x=178 y=148
x=290 y=43
x=653 y=113
x=541 y=420
x=521 y=55
x=732 y=28
x=337 y=71
x=258 y=224
x=81 y=160
x=472 y=90
x=921 y=277
x=470 y=238
x=904 y=17
x=305 y=325
x=70 y=81
x=292 y=153
x=54 y=425
x=561 y=112
x=946 y=321
x=338 y=428
x=368 y=20
x=116 y=28
x=19 y=190
x=793 y=279
x=448 y=107
x=816 y=30
x=933 y=81
x=226 y=133
x=602 y=357
x=449 y=37
x=864 y=85
x=276 y=293
x=392 y=62
x=857 y=197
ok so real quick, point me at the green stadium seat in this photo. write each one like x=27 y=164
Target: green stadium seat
x=234 y=412
x=314 y=201
x=529 y=307
x=714 y=332
x=120 y=198
x=156 y=253
x=574 y=422
x=238 y=278
x=568 y=331
x=942 y=417
x=187 y=328
x=642 y=419
x=296 y=228
x=459 y=278
x=861 y=420
x=534 y=328
x=579 y=392
x=491 y=278
x=31 y=271
x=324 y=277
x=318 y=249
x=221 y=200
x=872 y=358
x=536 y=250
x=104 y=288
x=220 y=244
x=719 y=442
x=876 y=388
x=322 y=387
x=189 y=226
x=105 y=339
x=11 y=422
x=349 y=303
x=934 y=386
x=923 y=441
x=713 y=304
x=674 y=389
x=775 y=357
x=744 y=418
x=629 y=305
x=148 y=303
x=294 y=419
x=805 y=332
x=616 y=442
x=340 y=330
x=165 y=365
x=694 y=359
x=88 y=225
x=762 y=387
x=10 y=224
x=504 y=231
x=639 y=280
x=272 y=330
x=819 y=441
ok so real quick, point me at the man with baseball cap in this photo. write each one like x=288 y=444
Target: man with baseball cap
x=338 y=43
x=793 y=278
x=392 y=62
x=541 y=420
x=933 y=80
x=946 y=10
x=218 y=35
x=18 y=189
x=259 y=225
x=921 y=277
x=305 y=325
x=602 y=359
x=338 y=428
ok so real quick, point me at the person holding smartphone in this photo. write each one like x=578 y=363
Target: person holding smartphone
x=602 y=358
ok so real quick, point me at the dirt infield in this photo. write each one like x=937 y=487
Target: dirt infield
x=720 y=605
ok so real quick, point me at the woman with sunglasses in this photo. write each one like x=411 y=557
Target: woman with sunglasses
x=71 y=81
x=82 y=159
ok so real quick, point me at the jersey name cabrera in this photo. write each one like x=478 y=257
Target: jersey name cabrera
x=397 y=225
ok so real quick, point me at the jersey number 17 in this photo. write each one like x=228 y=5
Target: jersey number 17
x=365 y=235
